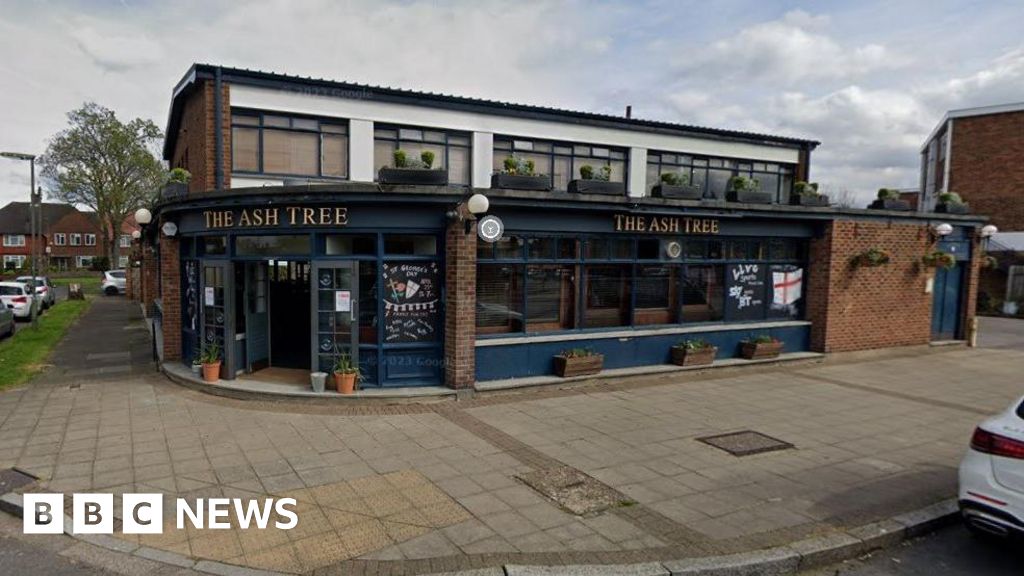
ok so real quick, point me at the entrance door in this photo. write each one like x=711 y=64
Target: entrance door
x=257 y=316
x=217 y=309
x=946 y=302
x=333 y=303
x=289 y=282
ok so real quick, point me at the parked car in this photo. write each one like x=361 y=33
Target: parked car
x=113 y=282
x=43 y=287
x=6 y=321
x=992 y=476
x=20 y=298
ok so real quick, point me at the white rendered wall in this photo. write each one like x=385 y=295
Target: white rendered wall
x=483 y=158
x=637 y=185
x=360 y=150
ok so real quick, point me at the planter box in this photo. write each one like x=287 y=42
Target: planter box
x=578 y=366
x=602 y=187
x=680 y=192
x=413 y=176
x=759 y=350
x=946 y=208
x=898 y=205
x=683 y=357
x=174 y=191
x=800 y=200
x=519 y=182
x=749 y=197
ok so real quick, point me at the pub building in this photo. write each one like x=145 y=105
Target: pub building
x=298 y=239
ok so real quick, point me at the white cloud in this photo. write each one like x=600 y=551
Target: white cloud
x=114 y=50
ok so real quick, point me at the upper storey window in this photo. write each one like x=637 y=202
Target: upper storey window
x=264 y=143
x=451 y=149
x=560 y=160
x=712 y=174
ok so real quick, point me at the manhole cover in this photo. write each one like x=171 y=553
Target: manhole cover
x=573 y=490
x=745 y=443
x=12 y=479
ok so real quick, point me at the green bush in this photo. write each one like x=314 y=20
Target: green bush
x=401 y=159
x=427 y=157
x=99 y=264
x=179 y=176
x=587 y=172
x=744 y=184
x=888 y=194
x=675 y=179
x=806 y=189
x=950 y=198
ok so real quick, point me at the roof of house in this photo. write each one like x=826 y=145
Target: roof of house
x=438 y=100
x=14 y=217
x=969 y=112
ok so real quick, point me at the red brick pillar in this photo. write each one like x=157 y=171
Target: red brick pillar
x=170 y=295
x=460 y=307
x=970 y=302
x=819 y=281
x=150 y=291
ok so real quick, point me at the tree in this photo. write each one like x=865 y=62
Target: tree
x=106 y=165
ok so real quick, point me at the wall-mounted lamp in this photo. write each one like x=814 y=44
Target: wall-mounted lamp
x=942 y=230
x=988 y=230
x=136 y=234
x=143 y=216
x=476 y=205
x=169 y=229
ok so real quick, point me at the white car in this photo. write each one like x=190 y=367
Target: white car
x=44 y=289
x=992 y=475
x=113 y=282
x=19 y=298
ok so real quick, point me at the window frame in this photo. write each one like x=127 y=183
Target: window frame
x=615 y=153
x=14 y=240
x=737 y=166
x=260 y=127
x=75 y=239
x=60 y=239
x=90 y=239
x=447 y=144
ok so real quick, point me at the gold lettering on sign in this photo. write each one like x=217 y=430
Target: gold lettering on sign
x=268 y=217
x=665 y=224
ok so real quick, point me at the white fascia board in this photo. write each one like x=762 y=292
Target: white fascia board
x=386 y=112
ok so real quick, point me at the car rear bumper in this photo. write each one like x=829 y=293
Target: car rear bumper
x=984 y=503
x=22 y=311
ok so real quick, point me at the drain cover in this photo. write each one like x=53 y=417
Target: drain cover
x=11 y=479
x=745 y=443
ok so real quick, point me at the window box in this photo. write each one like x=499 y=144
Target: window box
x=174 y=191
x=890 y=204
x=749 y=196
x=819 y=200
x=760 y=350
x=413 y=176
x=952 y=208
x=600 y=187
x=520 y=182
x=681 y=356
x=570 y=366
x=686 y=192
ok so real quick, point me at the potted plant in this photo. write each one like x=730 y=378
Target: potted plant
x=693 y=353
x=675 y=185
x=518 y=174
x=197 y=367
x=939 y=259
x=873 y=257
x=345 y=374
x=411 y=171
x=748 y=190
x=210 y=359
x=806 y=194
x=176 y=186
x=889 y=199
x=578 y=362
x=951 y=203
x=599 y=182
x=760 y=347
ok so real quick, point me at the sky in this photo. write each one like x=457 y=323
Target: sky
x=869 y=79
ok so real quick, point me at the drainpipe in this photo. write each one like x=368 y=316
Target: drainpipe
x=218 y=142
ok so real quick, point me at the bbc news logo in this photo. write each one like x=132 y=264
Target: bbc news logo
x=144 y=513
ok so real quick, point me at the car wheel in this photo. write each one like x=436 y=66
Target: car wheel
x=110 y=291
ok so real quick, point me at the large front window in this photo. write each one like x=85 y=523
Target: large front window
x=711 y=175
x=561 y=161
x=263 y=143
x=14 y=240
x=451 y=149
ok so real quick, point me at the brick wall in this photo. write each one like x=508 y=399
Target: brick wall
x=987 y=166
x=860 y=308
x=148 y=273
x=195 y=144
x=170 y=294
x=460 y=306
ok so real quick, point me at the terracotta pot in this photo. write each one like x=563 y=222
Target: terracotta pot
x=345 y=383
x=700 y=357
x=211 y=372
x=578 y=365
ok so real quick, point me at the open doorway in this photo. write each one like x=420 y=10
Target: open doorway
x=289 y=327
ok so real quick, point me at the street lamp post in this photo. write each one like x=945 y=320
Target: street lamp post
x=35 y=219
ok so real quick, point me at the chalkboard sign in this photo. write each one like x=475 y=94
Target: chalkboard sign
x=412 y=306
x=744 y=291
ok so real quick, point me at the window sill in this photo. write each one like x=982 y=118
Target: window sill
x=638 y=332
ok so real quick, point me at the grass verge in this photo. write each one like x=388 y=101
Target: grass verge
x=90 y=284
x=22 y=356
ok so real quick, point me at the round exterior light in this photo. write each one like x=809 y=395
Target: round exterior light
x=136 y=234
x=169 y=229
x=988 y=230
x=942 y=229
x=478 y=204
x=143 y=216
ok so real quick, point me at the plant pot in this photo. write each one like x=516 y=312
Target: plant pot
x=599 y=187
x=197 y=369
x=211 y=372
x=700 y=357
x=820 y=200
x=318 y=380
x=345 y=383
x=749 y=196
x=578 y=365
x=948 y=208
x=760 y=350
x=413 y=176
x=678 y=192
x=884 y=204
x=520 y=182
x=174 y=191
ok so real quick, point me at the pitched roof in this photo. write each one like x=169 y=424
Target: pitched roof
x=14 y=216
x=452 y=102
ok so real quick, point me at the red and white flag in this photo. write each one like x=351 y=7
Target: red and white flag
x=788 y=286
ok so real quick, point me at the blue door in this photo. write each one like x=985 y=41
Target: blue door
x=946 y=302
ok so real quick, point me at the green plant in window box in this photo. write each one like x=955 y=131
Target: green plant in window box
x=748 y=190
x=413 y=171
x=176 y=185
x=873 y=257
x=761 y=347
x=939 y=259
x=675 y=179
x=427 y=158
x=807 y=194
x=596 y=182
x=179 y=176
x=519 y=166
x=693 y=353
x=951 y=203
x=520 y=174
x=578 y=362
x=676 y=185
x=345 y=374
x=889 y=199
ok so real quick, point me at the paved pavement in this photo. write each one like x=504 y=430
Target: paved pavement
x=410 y=489
x=949 y=552
x=997 y=332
